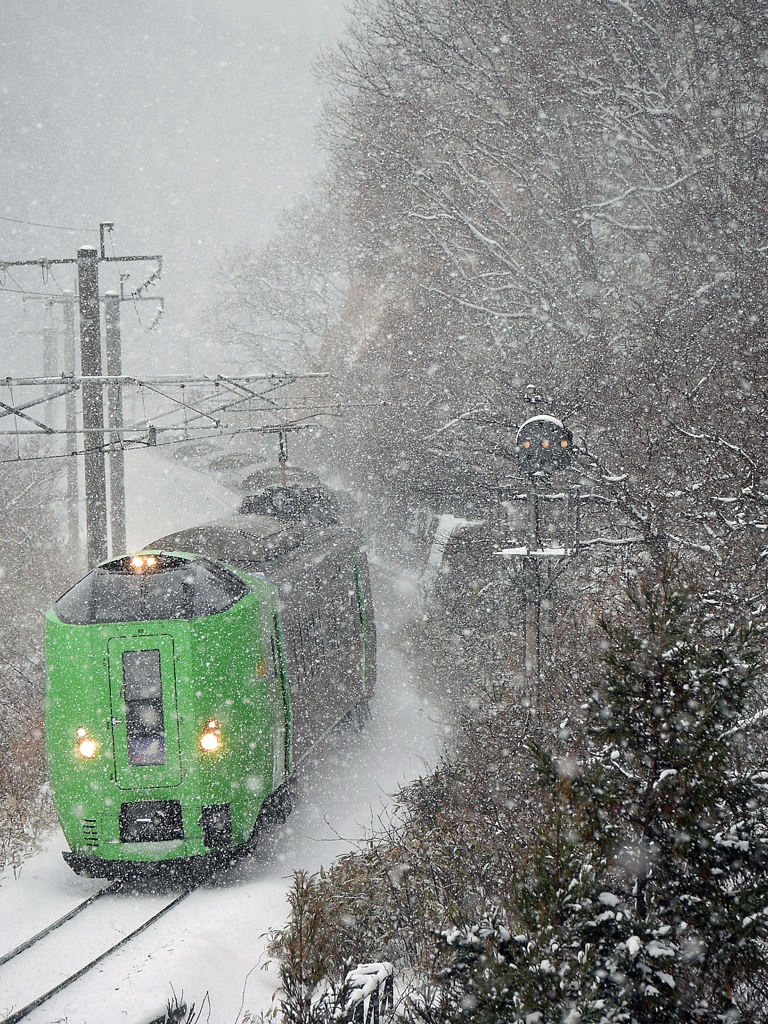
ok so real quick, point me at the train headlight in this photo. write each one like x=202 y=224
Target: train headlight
x=141 y=562
x=86 y=747
x=210 y=739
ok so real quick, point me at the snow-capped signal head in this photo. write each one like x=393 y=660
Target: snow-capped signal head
x=543 y=446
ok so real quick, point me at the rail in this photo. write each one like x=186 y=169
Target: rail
x=24 y=1011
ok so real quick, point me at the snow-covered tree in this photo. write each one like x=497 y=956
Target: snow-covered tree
x=674 y=795
x=35 y=568
x=565 y=948
x=277 y=304
x=646 y=897
x=566 y=193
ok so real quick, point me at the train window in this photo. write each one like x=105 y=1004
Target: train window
x=143 y=695
x=167 y=588
x=290 y=504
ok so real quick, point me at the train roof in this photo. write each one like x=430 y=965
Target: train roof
x=252 y=539
x=268 y=528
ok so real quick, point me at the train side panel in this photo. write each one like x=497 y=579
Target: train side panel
x=329 y=637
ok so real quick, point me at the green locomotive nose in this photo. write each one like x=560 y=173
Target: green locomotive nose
x=167 y=711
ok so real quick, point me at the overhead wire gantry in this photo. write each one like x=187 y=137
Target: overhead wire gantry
x=177 y=406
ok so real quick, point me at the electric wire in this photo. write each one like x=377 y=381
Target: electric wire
x=226 y=406
x=128 y=446
x=223 y=432
x=52 y=227
x=170 y=398
x=23 y=291
x=16 y=425
x=136 y=294
x=53 y=278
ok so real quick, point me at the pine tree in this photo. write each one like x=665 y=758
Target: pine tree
x=645 y=900
x=673 y=800
x=565 y=949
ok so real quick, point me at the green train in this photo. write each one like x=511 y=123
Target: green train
x=187 y=682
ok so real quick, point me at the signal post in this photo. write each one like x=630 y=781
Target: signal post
x=543 y=446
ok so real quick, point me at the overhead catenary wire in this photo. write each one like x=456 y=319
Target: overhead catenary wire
x=146 y=384
x=51 y=227
x=16 y=424
x=170 y=398
x=136 y=293
x=239 y=394
x=28 y=294
x=250 y=396
x=139 y=381
x=19 y=289
x=291 y=425
x=53 y=278
x=236 y=385
x=225 y=430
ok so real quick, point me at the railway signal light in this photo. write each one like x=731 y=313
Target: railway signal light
x=543 y=446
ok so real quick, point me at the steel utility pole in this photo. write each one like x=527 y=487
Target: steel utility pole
x=115 y=424
x=87 y=260
x=49 y=351
x=70 y=413
x=93 y=405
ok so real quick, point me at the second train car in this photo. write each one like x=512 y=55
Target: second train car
x=188 y=681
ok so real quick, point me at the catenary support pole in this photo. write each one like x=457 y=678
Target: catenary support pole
x=93 y=405
x=49 y=352
x=70 y=414
x=115 y=424
x=50 y=363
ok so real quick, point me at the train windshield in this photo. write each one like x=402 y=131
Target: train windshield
x=149 y=587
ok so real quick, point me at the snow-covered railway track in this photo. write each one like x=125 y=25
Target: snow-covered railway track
x=41 y=960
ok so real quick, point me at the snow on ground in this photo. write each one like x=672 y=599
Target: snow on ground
x=214 y=942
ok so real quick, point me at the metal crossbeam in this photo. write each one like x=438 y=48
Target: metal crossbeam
x=12 y=410
x=217 y=381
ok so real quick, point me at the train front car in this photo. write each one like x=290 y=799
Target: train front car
x=167 y=712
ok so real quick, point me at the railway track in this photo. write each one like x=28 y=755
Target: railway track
x=39 y=955
x=272 y=812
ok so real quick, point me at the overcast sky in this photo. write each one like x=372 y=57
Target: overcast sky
x=188 y=123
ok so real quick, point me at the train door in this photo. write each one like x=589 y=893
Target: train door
x=145 y=724
x=283 y=730
x=278 y=698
